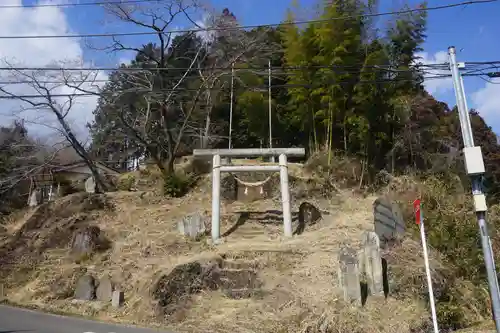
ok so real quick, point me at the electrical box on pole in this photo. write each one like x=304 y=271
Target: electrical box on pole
x=474 y=164
x=475 y=169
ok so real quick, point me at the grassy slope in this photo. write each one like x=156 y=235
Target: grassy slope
x=299 y=273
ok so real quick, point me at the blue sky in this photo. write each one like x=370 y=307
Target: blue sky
x=473 y=29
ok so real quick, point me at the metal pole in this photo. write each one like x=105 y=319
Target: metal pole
x=216 y=199
x=270 y=110
x=428 y=273
x=467 y=118
x=463 y=112
x=231 y=107
x=251 y=152
x=285 y=196
x=475 y=168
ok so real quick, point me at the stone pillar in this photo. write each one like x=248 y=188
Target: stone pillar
x=192 y=226
x=372 y=263
x=90 y=185
x=34 y=198
x=348 y=275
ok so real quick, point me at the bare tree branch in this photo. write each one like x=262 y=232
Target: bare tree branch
x=46 y=102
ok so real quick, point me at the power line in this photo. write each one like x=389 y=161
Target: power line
x=488 y=80
x=438 y=66
x=81 y=4
x=276 y=75
x=271 y=25
x=255 y=88
x=483 y=62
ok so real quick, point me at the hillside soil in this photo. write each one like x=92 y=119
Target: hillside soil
x=275 y=284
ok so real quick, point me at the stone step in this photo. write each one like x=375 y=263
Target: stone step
x=239 y=278
x=241 y=293
x=239 y=264
x=249 y=233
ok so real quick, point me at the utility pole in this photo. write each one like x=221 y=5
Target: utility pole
x=474 y=166
x=270 y=110
x=231 y=107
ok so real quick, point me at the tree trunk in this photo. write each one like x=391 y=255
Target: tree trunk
x=207 y=122
x=100 y=185
x=80 y=150
x=315 y=135
x=159 y=163
x=330 y=135
x=345 y=133
x=169 y=167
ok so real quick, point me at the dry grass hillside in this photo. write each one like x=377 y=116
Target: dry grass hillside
x=296 y=289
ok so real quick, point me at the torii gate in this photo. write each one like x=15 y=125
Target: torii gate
x=282 y=167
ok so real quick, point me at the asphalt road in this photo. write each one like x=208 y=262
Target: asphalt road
x=14 y=320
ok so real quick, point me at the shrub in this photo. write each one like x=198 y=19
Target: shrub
x=145 y=171
x=177 y=184
x=344 y=171
x=451 y=228
x=126 y=182
x=66 y=186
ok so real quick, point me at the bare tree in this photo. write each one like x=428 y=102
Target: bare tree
x=160 y=115
x=44 y=96
x=227 y=46
x=157 y=122
x=160 y=107
x=21 y=158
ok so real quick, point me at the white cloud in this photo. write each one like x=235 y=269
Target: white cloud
x=439 y=85
x=125 y=60
x=207 y=20
x=487 y=100
x=41 y=53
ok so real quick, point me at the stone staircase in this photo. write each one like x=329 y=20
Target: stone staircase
x=235 y=278
x=239 y=279
x=256 y=224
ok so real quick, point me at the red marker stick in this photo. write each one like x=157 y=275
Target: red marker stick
x=416 y=209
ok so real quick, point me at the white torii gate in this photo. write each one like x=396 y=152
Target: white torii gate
x=282 y=167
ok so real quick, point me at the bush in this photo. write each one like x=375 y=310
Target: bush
x=344 y=171
x=126 y=182
x=451 y=228
x=67 y=187
x=459 y=303
x=145 y=171
x=177 y=185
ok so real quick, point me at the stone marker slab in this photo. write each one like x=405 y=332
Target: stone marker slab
x=85 y=288
x=192 y=226
x=117 y=299
x=372 y=263
x=308 y=213
x=388 y=220
x=90 y=185
x=34 y=198
x=104 y=291
x=85 y=240
x=348 y=274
